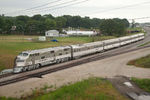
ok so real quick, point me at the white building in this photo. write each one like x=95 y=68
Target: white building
x=81 y=33
x=42 y=38
x=52 y=33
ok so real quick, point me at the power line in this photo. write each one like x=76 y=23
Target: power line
x=139 y=18
x=44 y=5
x=127 y=6
x=58 y=4
x=33 y=9
x=56 y=8
x=56 y=1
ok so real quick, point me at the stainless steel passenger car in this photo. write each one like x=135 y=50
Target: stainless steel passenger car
x=86 y=49
x=112 y=43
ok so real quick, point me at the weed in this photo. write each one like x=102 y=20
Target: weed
x=143 y=62
x=143 y=83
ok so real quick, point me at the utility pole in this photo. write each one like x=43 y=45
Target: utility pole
x=133 y=23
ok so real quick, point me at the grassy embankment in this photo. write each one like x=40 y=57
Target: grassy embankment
x=12 y=45
x=144 y=44
x=142 y=83
x=143 y=62
x=91 y=89
x=137 y=29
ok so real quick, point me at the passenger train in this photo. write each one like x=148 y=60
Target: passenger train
x=29 y=60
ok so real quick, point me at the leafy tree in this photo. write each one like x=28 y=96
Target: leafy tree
x=95 y=22
x=68 y=20
x=86 y=22
x=8 y=25
x=41 y=28
x=23 y=18
x=2 y=24
x=113 y=27
x=38 y=24
x=50 y=24
x=31 y=27
x=60 y=23
x=20 y=27
x=127 y=24
x=37 y=17
x=49 y=16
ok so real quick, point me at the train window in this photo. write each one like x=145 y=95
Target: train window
x=23 y=54
x=36 y=54
x=51 y=51
x=66 y=49
x=60 y=53
x=42 y=57
x=31 y=55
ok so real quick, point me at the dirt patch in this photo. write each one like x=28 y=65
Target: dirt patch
x=129 y=88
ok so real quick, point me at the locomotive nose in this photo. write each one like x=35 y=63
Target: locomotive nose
x=20 y=64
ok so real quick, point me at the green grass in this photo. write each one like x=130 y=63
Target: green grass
x=142 y=83
x=12 y=45
x=143 y=62
x=90 y=89
x=4 y=98
x=136 y=28
x=144 y=44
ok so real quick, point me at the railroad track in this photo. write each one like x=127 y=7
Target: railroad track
x=6 y=75
x=69 y=65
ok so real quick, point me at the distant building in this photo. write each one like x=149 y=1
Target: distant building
x=81 y=33
x=13 y=28
x=42 y=38
x=52 y=33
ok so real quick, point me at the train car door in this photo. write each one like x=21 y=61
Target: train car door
x=52 y=56
x=33 y=59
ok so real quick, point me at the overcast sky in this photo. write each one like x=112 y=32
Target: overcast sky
x=93 y=8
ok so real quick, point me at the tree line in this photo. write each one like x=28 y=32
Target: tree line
x=38 y=24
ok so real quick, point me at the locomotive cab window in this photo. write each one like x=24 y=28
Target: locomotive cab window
x=42 y=57
x=60 y=54
x=66 y=49
x=51 y=51
x=23 y=54
x=37 y=54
